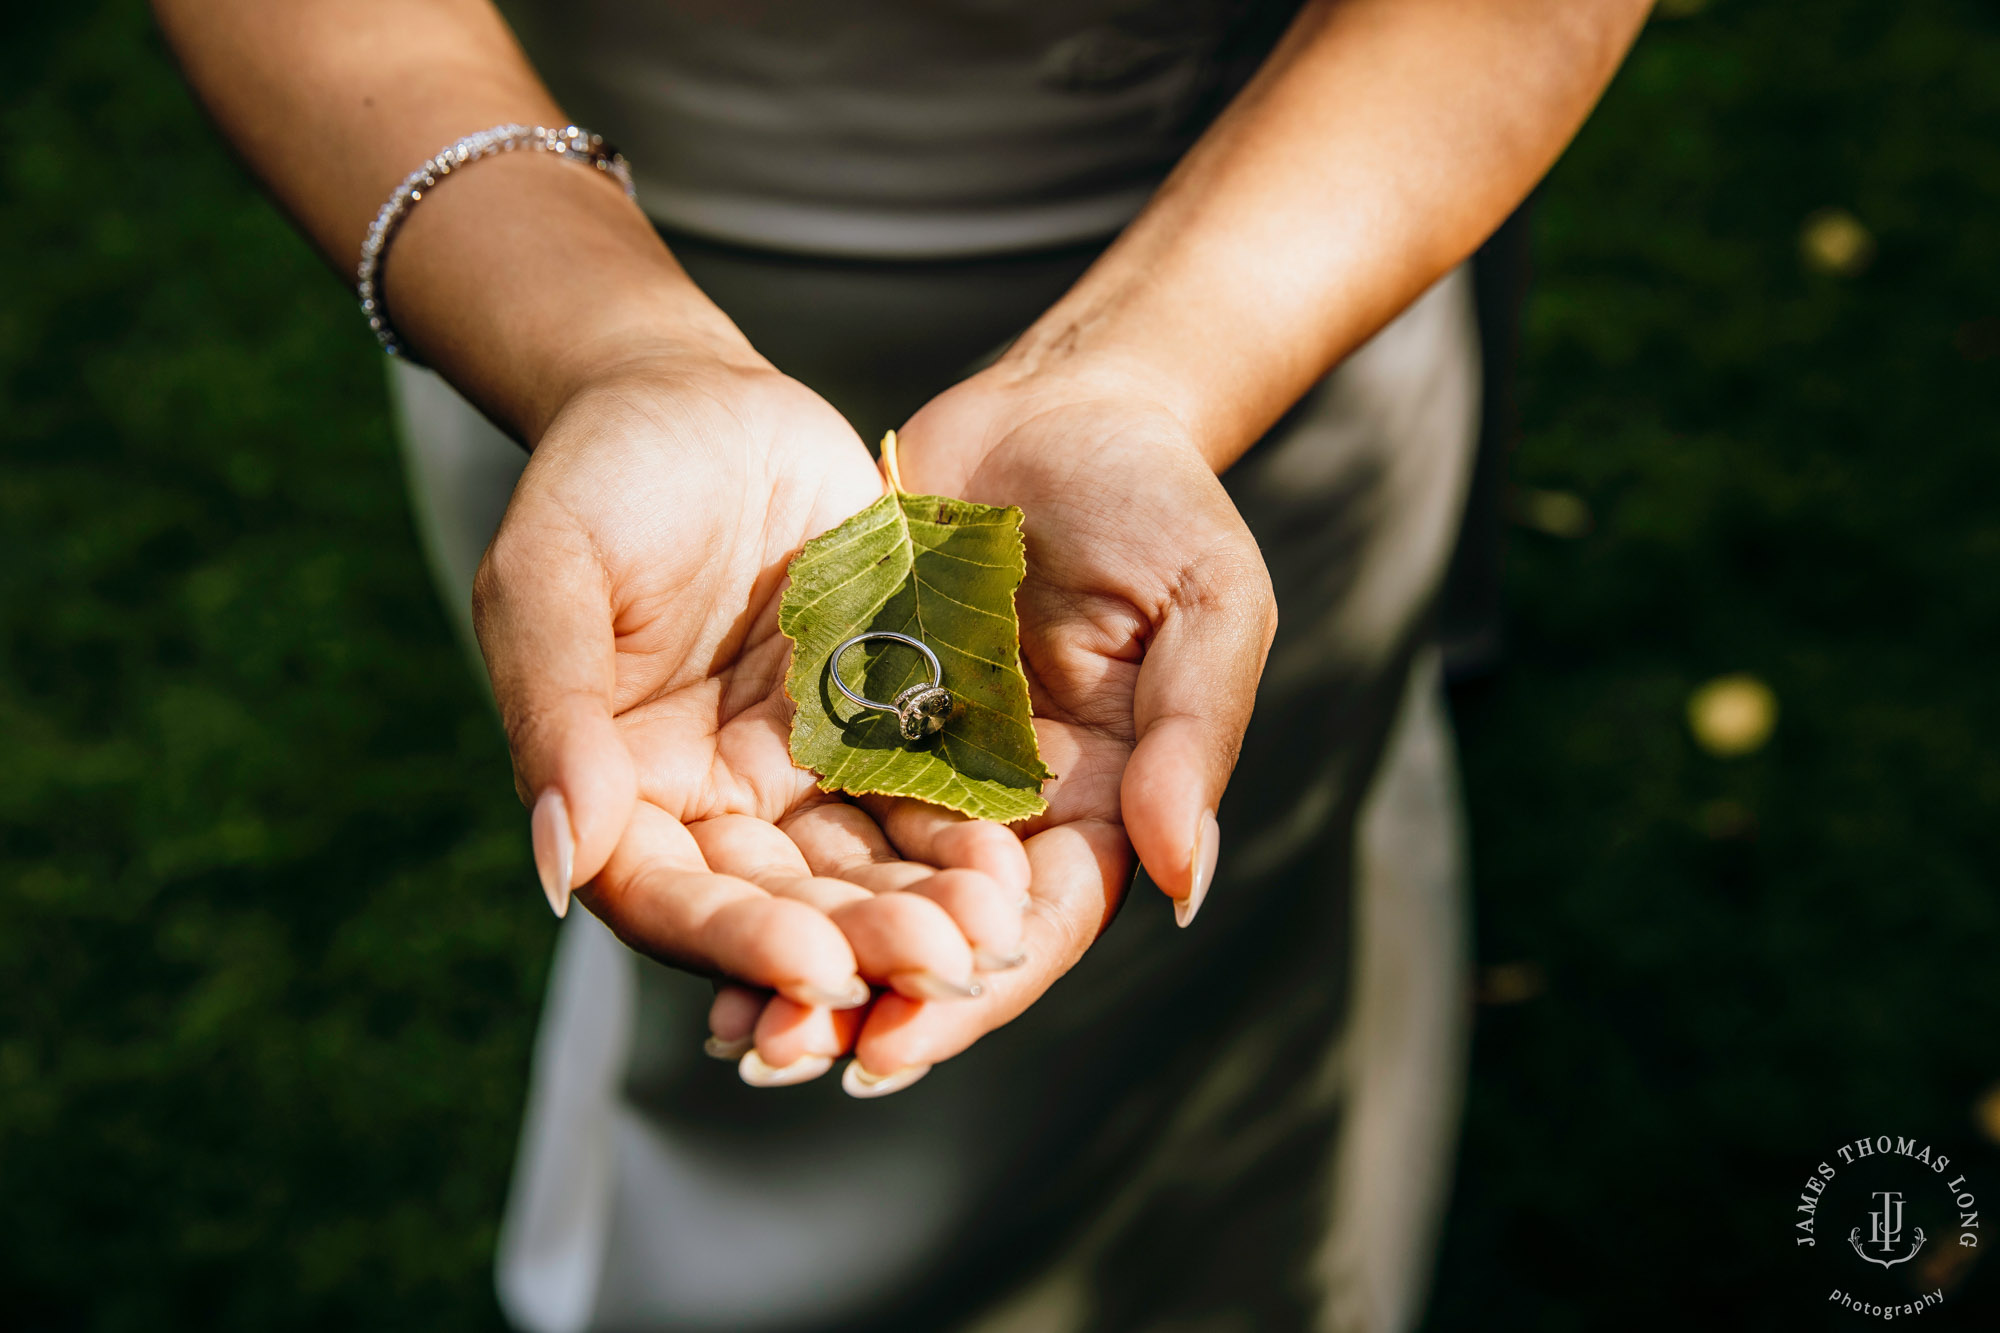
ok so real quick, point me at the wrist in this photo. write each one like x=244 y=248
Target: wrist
x=635 y=378
x=1109 y=350
x=665 y=336
x=1054 y=374
x=526 y=279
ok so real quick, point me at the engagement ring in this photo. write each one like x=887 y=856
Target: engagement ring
x=921 y=710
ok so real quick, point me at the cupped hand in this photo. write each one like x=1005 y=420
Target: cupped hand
x=627 y=609
x=1145 y=615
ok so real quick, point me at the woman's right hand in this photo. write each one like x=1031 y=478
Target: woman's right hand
x=628 y=612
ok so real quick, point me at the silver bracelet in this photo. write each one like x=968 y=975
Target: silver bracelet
x=573 y=142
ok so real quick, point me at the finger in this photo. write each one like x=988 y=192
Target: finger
x=750 y=848
x=987 y=913
x=949 y=840
x=820 y=892
x=659 y=897
x=909 y=944
x=760 y=853
x=922 y=950
x=903 y=946
x=788 y=1032
x=915 y=947
x=732 y=1019
x=1080 y=873
x=842 y=841
x=988 y=916
x=1197 y=685
x=542 y=609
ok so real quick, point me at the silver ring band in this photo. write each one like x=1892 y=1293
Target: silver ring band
x=937 y=668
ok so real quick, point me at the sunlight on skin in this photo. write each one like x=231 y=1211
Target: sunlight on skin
x=637 y=662
x=625 y=607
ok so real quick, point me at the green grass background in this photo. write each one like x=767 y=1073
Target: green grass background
x=270 y=949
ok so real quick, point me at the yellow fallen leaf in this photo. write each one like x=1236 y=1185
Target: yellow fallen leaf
x=1732 y=715
x=1557 y=513
x=1834 y=241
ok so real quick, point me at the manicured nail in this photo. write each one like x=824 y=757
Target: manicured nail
x=931 y=986
x=988 y=961
x=1207 y=844
x=802 y=1070
x=719 y=1049
x=555 y=849
x=858 y=1082
x=850 y=996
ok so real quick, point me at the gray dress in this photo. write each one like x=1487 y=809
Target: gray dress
x=1245 y=1125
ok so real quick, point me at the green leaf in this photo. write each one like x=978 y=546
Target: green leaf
x=943 y=571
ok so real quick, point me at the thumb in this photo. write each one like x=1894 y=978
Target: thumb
x=1196 y=688
x=541 y=606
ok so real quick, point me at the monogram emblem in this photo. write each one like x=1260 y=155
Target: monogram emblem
x=1885 y=1232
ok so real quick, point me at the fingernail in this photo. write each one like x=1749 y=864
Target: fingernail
x=850 y=996
x=858 y=1082
x=931 y=986
x=1207 y=845
x=802 y=1070
x=555 y=849
x=719 y=1049
x=988 y=961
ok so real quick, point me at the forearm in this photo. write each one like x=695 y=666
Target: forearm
x=516 y=279
x=1377 y=148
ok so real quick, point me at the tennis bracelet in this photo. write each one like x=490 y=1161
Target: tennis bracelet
x=573 y=142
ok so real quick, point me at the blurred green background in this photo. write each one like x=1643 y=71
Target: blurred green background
x=270 y=942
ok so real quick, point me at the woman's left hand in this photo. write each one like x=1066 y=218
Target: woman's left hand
x=1145 y=615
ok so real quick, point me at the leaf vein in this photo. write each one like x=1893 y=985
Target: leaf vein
x=926 y=583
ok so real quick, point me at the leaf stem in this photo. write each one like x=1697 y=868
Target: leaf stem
x=889 y=463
